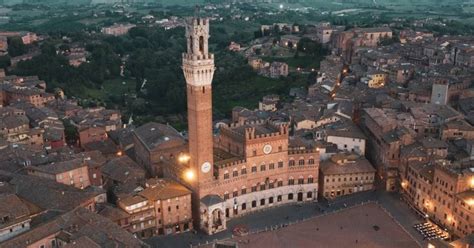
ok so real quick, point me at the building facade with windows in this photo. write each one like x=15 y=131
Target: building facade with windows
x=163 y=207
x=345 y=174
x=444 y=192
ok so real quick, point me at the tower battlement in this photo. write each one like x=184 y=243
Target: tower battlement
x=197 y=35
x=198 y=63
x=198 y=22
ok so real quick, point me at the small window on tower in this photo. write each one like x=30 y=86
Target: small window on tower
x=191 y=44
x=201 y=44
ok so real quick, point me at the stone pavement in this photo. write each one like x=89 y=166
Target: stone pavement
x=366 y=225
x=260 y=220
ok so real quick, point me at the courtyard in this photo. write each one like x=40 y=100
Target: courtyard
x=367 y=225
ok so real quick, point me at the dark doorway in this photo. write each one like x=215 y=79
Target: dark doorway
x=300 y=196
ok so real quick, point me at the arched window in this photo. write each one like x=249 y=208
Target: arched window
x=226 y=175
x=244 y=190
x=201 y=44
x=291 y=181
x=191 y=44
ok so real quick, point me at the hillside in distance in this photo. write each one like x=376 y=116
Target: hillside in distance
x=290 y=2
x=84 y=2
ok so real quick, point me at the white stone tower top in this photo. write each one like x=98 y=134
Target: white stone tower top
x=198 y=63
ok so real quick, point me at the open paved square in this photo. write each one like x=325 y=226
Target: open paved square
x=362 y=226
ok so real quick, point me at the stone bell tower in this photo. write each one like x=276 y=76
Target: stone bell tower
x=198 y=68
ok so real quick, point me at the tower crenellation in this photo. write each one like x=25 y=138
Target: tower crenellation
x=198 y=63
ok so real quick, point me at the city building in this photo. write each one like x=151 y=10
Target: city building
x=443 y=192
x=26 y=37
x=278 y=69
x=162 y=207
x=92 y=124
x=121 y=176
x=118 y=29
x=324 y=33
x=377 y=79
x=439 y=93
x=269 y=103
x=349 y=140
x=16 y=214
x=154 y=143
x=76 y=228
x=347 y=42
x=73 y=172
x=344 y=174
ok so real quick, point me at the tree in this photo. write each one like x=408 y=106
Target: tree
x=16 y=46
x=4 y=61
x=311 y=48
x=70 y=132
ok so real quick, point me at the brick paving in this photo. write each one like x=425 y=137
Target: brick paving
x=353 y=227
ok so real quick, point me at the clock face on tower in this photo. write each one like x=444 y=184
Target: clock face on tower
x=267 y=149
x=206 y=167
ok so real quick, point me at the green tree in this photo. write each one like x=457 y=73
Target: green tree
x=4 y=61
x=16 y=46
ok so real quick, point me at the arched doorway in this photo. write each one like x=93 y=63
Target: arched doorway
x=300 y=196
x=217 y=221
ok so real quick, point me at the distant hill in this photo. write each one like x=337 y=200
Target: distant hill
x=192 y=2
x=46 y=2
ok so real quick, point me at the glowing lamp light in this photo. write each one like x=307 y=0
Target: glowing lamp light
x=184 y=158
x=470 y=202
x=404 y=184
x=189 y=175
x=471 y=182
x=449 y=219
x=119 y=153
